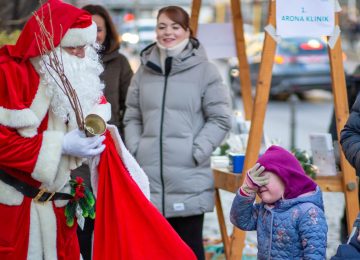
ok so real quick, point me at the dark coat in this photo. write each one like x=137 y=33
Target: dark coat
x=348 y=251
x=350 y=136
x=116 y=76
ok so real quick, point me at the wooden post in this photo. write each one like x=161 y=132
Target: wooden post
x=257 y=120
x=244 y=69
x=350 y=184
x=257 y=11
x=222 y=225
x=262 y=94
x=194 y=18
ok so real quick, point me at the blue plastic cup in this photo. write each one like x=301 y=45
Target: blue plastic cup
x=236 y=162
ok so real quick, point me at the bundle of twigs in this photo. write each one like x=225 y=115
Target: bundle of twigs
x=54 y=64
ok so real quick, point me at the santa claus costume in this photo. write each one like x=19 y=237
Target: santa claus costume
x=33 y=121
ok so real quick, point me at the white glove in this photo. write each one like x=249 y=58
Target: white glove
x=76 y=143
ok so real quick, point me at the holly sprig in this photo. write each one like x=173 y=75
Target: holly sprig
x=306 y=162
x=82 y=197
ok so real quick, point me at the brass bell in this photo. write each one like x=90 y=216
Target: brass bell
x=94 y=125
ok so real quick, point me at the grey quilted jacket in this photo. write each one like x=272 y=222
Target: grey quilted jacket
x=173 y=121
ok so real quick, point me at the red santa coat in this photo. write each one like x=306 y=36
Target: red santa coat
x=31 y=151
x=31 y=143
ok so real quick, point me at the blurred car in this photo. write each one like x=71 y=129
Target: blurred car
x=300 y=64
x=139 y=33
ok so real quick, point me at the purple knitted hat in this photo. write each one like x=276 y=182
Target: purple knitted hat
x=287 y=167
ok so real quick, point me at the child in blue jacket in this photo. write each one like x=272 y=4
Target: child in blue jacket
x=289 y=220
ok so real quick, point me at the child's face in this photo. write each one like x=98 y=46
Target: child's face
x=273 y=191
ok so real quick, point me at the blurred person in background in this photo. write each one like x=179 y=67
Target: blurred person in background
x=177 y=113
x=352 y=90
x=117 y=71
x=116 y=77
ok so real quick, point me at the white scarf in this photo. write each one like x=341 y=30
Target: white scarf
x=170 y=52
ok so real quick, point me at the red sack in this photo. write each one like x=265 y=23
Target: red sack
x=127 y=225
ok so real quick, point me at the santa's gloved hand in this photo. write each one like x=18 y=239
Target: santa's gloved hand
x=76 y=143
x=253 y=180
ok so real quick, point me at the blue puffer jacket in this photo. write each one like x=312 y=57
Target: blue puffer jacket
x=292 y=229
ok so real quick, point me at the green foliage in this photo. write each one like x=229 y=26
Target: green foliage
x=306 y=162
x=224 y=149
x=85 y=202
x=9 y=38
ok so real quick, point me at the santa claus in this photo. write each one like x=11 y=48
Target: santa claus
x=39 y=140
x=40 y=144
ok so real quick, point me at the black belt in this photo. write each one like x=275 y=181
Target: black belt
x=39 y=195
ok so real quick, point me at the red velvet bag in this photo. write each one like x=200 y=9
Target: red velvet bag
x=127 y=225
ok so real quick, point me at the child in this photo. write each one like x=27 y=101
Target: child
x=290 y=220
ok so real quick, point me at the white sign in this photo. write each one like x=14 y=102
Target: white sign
x=217 y=39
x=305 y=18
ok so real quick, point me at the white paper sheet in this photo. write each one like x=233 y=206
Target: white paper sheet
x=305 y=18
x=217 y=39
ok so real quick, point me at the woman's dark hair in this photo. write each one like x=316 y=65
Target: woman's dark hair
x=112 y=41
x=178 y=15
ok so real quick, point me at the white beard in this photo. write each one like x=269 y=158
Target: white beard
x=83 y=74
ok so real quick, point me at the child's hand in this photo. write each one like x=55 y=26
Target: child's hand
x=253 y=181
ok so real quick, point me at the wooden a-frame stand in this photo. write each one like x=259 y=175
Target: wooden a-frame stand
x=344 y=182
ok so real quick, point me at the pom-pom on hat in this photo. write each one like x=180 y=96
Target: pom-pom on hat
x=68 y=24
x=285 y=165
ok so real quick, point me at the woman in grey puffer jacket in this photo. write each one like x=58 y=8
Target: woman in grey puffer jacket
x=177 y=113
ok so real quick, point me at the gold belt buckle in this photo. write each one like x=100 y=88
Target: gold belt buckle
x=40 y=193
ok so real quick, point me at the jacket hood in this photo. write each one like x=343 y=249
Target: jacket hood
x=313 y=197
x=285 y=165
x=192 y=55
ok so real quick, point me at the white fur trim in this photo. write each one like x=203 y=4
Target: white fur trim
x=62 y=203
x=94 y=175
x=49 y=157
x=103 y=110
x=39 y=106
x=27 y=120
x=18 y=118
x=9 y=195
x=136 y=172
x=79 y=36
x=35 y=241
x=42 y=241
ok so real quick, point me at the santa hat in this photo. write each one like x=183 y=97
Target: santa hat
x=21 y=96
x=69 y=25
x=285 y=165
